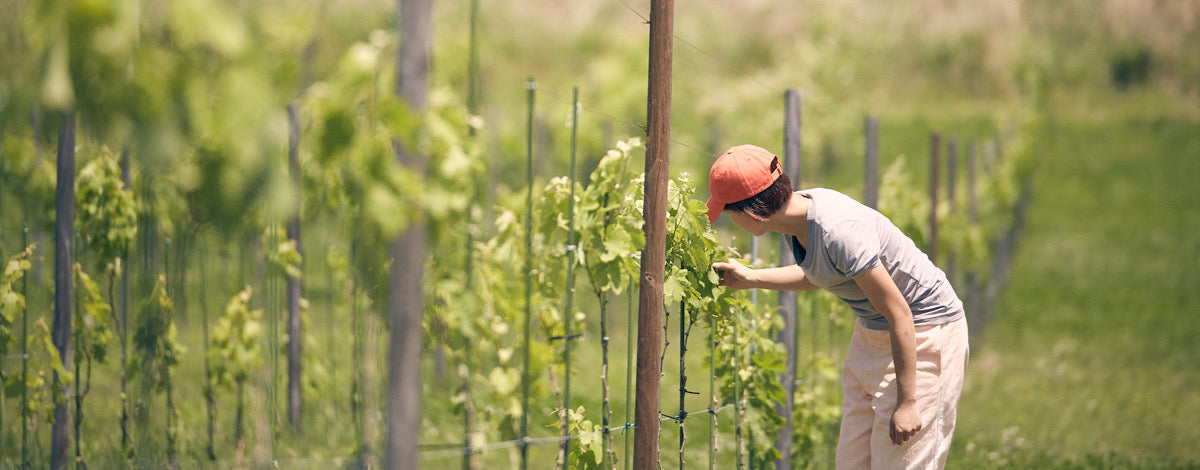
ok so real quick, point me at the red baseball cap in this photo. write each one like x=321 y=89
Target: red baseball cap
x=742 y=172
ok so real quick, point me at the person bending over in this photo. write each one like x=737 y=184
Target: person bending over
x=903 y=372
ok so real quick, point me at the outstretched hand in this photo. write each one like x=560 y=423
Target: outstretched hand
x=734 y=274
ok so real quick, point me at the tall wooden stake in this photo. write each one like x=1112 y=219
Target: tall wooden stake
x=405 y=301
x=871 y=162
x=650 y=300
x=787 y=300
x=64 y=228
x=295 y=343
x=935 y=164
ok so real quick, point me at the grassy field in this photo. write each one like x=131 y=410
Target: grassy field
x=1091 y=361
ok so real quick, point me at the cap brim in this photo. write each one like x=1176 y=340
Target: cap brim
x=714 y=209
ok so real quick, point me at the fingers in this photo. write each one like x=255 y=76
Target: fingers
x=721 y=268
x=725 y=272
x=899 y=437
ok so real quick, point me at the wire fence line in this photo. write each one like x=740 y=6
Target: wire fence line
x=459 y=451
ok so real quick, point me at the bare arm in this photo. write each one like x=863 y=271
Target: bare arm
x=739 y=276
x=887 y=299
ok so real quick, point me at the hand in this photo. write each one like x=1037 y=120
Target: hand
x=906 y=422
x=734 y=274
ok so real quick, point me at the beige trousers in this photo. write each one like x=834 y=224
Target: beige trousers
x=869 y=387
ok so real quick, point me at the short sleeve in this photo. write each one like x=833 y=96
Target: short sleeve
x=854 y=247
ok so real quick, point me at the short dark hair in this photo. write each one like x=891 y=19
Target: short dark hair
x=768 y=201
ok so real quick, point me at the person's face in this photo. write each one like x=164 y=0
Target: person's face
x=751 y=224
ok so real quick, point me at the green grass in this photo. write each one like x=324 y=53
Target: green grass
x=1091 y=361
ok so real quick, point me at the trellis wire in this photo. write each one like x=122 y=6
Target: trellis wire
x=450 y=452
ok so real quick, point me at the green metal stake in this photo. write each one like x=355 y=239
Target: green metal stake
x=531 y=90
x=629 y=339
x=357 y=323
x=682 y=378
x=473 y=109
x=25 y=362
x=712 y=392
x=473 y=66
x=571 y=250
x=737 y=395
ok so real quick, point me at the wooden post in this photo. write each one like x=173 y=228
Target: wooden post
x=871 y=163
x=295 y=353
x=405 y=301
x=951 y=185
x=64 y=229
x=935 y=142
x=650 y=299
x=974 y=314
x=972 y=196
x=787 y=300
x=952 y=171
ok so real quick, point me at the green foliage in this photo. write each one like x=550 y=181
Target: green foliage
x=81 y=42
x=749 y=363
x=691 y=249
x=1130 y=67
x=92 y=330
x=356 y=121
x=44 y=392
x=27 y=177
x=107 y=217
x=1005 y=170
x=12 y=308
x=608 y=224
x=234 y=350
x=156 y=339
x=283 y=253
x=817 y=410
x=197 y=90
x=905 y=205
x=588 y=450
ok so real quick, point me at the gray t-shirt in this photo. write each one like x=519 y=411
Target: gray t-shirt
x=846 y=238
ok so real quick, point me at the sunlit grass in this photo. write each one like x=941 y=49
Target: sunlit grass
x=1091 y=360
